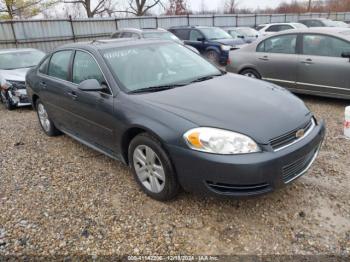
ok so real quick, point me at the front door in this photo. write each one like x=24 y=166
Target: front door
x=321 y=67
x=93 y=110
x=276 y=60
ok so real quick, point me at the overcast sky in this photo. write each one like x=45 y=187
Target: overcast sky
x=217 y=4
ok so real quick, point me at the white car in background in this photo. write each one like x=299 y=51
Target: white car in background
x=269 y=29
x=14 y=64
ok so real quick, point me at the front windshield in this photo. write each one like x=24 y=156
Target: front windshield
x=20 y=59
x=139 y=67
x=213 y=33
x=341 y=24
x=162 y=35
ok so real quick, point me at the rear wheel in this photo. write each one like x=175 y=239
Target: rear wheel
x=251 y=73
x=152 y=168
x=213 y=57
x=45 y=121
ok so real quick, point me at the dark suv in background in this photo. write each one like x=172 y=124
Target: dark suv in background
x=212 y=42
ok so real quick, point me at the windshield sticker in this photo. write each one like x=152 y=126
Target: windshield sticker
x=120 y=53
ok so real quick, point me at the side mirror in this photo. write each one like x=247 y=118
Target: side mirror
x=346 y=55
x=90 y=85
x=241 y=36
x=201 y=39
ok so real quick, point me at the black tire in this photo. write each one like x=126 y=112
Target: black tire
x=213 y=57
x=7 y=101
x=52 y=130
x=251 y=73
x=171 y=185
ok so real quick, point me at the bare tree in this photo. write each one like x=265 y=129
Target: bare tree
x=99 y=7
x=230 y=6
x=176 y=7
x=140 y=7
x=309 y=6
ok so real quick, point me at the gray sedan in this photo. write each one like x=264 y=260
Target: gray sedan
x=312 y=61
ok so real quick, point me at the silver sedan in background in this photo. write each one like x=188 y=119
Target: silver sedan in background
x=312 y=61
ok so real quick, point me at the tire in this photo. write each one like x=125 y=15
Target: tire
x=7 y=101
x=44 y=120
x=162 y=186
x=251 y=73
x=213 y=57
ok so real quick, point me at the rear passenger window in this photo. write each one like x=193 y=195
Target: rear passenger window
x=273 y=28
x=284 y=44
x=194 y=35
x=59 y=63
x=183 y=34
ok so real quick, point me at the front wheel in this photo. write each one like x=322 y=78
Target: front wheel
x=45 y=121
x=152 y=168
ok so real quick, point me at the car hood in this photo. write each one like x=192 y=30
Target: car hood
x=14 y=74
x=231 y=42
x=252 y=107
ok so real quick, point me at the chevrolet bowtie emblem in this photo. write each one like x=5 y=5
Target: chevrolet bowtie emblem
x=300 y=133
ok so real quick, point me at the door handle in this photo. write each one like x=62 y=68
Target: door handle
x=42 y=84
x=307 y=61
x=73 y=95
x=264 y=58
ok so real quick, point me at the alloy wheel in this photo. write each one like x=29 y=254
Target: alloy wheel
x=250 y=75
x=149 y=168
x=44 y=118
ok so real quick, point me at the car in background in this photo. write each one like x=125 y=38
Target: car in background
x=212 y=42
x=247 y=34
x=269 y=29
x=341 y=24
x=318 y=22
x=311 y=61
x=155 y=33
x=176 y=119
x=14 y=64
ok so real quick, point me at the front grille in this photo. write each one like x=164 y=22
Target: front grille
x=286 y=139
x=295 y=169
x=239 y=189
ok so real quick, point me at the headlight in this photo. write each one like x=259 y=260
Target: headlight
x=218 y=141
x=6 y=85
x=225 y=47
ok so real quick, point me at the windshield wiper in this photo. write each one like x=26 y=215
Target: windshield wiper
x=205 y=78
x=155 y=88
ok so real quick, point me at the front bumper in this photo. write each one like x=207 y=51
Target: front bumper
x=245 y=175
x=19 y=97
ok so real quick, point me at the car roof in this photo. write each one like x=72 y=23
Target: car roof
x=191 y=26
x=334 y=31
x=138 y=30
x=110 y=43
x=291 y=23
x=316 y=18
x=15 y=50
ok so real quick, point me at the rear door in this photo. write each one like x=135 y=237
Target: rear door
x=54 y=86
x=321 y=67
x=276 y=59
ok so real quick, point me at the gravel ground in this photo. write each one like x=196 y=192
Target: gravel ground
x=60 y=197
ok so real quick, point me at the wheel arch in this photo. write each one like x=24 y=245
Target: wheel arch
x=129 y=134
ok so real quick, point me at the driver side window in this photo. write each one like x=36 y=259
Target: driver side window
x=85 y=67
x=194 y=35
